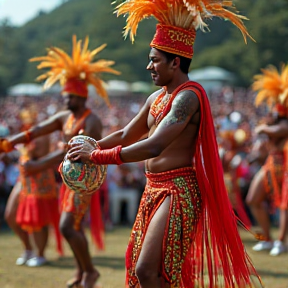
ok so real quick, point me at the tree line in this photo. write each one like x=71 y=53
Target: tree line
x=222 y=46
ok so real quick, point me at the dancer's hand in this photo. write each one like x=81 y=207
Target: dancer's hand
x=80 y=151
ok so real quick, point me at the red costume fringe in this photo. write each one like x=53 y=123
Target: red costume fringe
x=275 y=180
x=285 y=179
x=97 y=225
x=218 y=243
x=79 y=205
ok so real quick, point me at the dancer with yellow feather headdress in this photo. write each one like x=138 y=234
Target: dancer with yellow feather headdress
x=185 y=233
x=270 y=183
x=74 y=73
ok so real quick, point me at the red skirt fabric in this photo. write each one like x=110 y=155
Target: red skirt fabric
x=274 y=179
x=74 y=203
x=79 y=205
x=38 y=203
x=184 y=213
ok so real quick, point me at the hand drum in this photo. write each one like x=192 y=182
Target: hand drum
x=83 y=178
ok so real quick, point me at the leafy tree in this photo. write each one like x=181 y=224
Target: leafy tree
x=223 y=46
x=268 y=25
x=11 y=50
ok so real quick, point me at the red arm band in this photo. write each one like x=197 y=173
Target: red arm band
x=107 y=156
x=28 y=136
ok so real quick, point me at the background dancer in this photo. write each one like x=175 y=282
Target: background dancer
x=80 y=71
x=269 y=185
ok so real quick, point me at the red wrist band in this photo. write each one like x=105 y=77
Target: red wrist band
x=107 y=156
x=28 y=136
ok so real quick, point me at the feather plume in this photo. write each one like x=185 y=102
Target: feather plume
x=187 y=14
x=272 y=86
x=79 y=65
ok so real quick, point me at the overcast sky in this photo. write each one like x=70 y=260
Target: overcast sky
x=21 y=11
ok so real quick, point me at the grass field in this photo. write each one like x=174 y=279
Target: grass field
x=110 y=263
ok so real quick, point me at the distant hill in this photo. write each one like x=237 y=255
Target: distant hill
x=94 y=18
x=223 y=46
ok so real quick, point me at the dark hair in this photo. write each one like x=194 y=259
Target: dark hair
x=184 y=62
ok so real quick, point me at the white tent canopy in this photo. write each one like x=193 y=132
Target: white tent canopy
x=212 y=77
x=113 y=87
x=32 y=89
x=25 y=89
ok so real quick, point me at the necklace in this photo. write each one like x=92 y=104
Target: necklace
x=159 y=104
x=73 y=125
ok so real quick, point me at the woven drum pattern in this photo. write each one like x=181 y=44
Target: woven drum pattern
x=83 y=178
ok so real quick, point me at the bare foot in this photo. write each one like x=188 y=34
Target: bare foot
x=89 y=279
x=75 y=281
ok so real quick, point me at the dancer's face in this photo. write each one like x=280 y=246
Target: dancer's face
x=162 y=70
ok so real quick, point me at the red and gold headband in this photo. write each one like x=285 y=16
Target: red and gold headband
x=75 y=73
x=178 y=21
x=174 y=40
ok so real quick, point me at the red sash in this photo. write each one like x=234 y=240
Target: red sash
x=218 y=246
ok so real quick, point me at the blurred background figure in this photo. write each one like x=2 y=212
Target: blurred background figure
x=9 y=172
x=33 y=203
x=125 y=187
x=233 y=151
x=268 y=190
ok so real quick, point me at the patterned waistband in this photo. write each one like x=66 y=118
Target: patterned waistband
x=168 y=175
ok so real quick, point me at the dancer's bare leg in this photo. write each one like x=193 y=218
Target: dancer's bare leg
x=10 y=217
x=85 y=272
x=283 y=225
x=148 y=265
x=41 y=239
x=255 y=199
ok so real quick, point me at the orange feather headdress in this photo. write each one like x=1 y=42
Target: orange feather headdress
x=75 y=73
x=178 y=21
x=272 y=87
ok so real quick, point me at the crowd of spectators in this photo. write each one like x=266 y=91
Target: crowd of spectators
x=230 y=106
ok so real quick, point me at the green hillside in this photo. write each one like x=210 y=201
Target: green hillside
x=223 y=46
x=94 y=18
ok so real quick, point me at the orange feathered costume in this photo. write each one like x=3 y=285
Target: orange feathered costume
x=75 y=73
x=38 y=201
x=272 y=89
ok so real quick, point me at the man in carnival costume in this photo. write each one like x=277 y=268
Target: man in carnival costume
x=185 y=233
x=270 y=183
x=74 y=73
x=33 y=203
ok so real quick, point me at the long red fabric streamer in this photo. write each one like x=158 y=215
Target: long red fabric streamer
x=217 y=251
